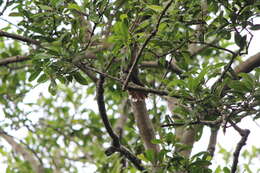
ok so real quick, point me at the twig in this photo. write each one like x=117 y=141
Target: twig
x=91 y=35
x=153 y=33
x=133 y=86
x=5 y=7
x=109 y=64
x=10 y=23
x=154 y=64
x=89 y=73
x=173 y=50
x=116 y=146
x=244 y=135
x=226 y=69
x=209 y=123
x=214 y=46
x=99 y=72
x=95 y=26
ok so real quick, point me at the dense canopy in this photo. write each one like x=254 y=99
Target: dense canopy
x=126 y=85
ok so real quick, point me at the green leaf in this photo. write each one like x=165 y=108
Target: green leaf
x=162 y=154
x=34 y=74
x=142 y=157
x=156 y=141
x=201 y=163
x=15 y=14
x=218 y=170
x=155 y=8
x=121 y=29
x=45 y=7
x=247 y=80
x=42 y=56
x=226 y=170
x=238 y=86
x=79 y=78
x=74 y=6
x=61 y=78
x=42 y=78
x=149 y=155
x=255 y=27
x=170 y=138
x=3 y=100
x=202 y=153
x=53 y=87
x=239 y=40
x=123 y=17
x=247 y=168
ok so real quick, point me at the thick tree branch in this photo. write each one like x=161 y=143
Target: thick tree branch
x=245 y=67
x=250 y=64
x=13 y=59
x=144 y=124
x=212 y=141
x=36 y=166
x=19 y=37
x=103 y=114
x=116 y=146
x=120 y=123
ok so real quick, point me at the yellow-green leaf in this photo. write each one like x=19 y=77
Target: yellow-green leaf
x=155 y=8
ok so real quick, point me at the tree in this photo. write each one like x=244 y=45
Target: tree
x=185 y=58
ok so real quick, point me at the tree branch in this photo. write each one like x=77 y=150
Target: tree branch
x=116 y=146
x=154 y=64
x=120 y=123
x=89 y=73
x=250 y=64
x=244 y=135
x=178 y=124
x=103 y=114
x=5 y=7
x=144 y=124
x=132 y=86
x=19 y=37
x=212 y=141
x=13 y=59
x=36 y=166
x=212 y=45
x=245 y=67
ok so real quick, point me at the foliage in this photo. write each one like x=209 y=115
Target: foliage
x=184 y=49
